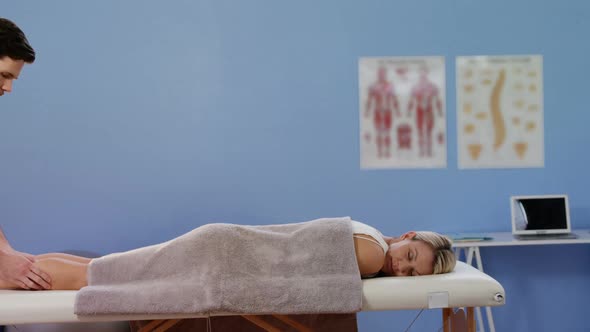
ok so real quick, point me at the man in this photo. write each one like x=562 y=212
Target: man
x=15 y=51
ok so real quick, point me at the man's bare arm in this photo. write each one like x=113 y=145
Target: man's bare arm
x=3 y=241
x=18 y=269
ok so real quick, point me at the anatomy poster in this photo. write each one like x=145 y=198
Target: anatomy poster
x=500 y=111
x=402 y=112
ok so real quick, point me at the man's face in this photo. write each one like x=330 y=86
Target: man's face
x=9 y=71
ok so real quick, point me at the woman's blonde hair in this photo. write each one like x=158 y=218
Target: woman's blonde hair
x=444 y=257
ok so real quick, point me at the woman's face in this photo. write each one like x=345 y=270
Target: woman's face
x=408 y=257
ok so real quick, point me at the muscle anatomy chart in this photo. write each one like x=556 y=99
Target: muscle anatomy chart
x=402 y=112
x=500 y=111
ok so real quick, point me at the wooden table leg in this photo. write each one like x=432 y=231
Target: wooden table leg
x=160 y=325
x=167 y=325
x=256 y=320
x=151 y=325
x=470 y=320
x=293 y=323
x=446 y=313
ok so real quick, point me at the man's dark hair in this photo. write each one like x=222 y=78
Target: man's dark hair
x=14 y=43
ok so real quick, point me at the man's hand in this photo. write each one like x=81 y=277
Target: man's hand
x=17 y=268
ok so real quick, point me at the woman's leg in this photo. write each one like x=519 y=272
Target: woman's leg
x=65 y=274
x=77 y=259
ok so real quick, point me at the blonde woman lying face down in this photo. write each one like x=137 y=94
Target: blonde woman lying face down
x=412 y=254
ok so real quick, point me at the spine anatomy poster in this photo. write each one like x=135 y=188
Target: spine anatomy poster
x=402 y=112
x=500 y=111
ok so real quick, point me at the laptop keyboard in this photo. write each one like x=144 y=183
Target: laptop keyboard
x=546 y=236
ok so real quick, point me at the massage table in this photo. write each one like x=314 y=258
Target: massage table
x=465 y=287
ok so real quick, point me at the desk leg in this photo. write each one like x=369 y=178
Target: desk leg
x=469 y=255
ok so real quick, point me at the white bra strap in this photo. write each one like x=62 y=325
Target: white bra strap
x=367 y=237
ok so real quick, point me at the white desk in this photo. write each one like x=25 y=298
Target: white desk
x=471 y=250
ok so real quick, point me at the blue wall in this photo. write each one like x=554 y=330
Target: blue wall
x=142 y=120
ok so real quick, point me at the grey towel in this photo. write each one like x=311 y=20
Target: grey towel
x=299 y=268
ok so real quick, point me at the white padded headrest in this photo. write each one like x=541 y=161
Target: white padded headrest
x=464 y=287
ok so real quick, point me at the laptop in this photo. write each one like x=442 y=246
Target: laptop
x=541 y=217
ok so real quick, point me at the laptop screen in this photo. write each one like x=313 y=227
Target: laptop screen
x=540 y=214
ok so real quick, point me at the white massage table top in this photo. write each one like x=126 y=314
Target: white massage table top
x=464 y=287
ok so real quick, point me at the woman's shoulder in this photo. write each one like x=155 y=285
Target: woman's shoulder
x=370 y=255
x=359 y=229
